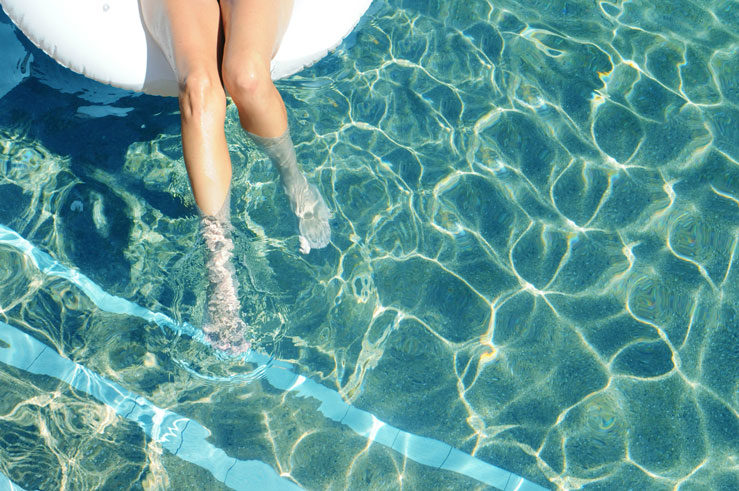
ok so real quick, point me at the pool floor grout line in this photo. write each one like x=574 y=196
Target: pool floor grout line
x=34 y=360
x=225 y=478
x=182 y=438
x=445 y=458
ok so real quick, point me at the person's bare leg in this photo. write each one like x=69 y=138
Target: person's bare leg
x=194 y=47
x=253 y=30
x=192 y=41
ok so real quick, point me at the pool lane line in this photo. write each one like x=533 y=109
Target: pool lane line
x=7 y=485
x=181 y=436
x=279 y=374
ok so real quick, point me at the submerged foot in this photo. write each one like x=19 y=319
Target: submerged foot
x=227 y=335
x=305 y=199
x=311 y=210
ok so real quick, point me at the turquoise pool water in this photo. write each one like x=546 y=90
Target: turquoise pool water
x=534 y=264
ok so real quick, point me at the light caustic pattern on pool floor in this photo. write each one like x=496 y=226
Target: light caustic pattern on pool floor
x=534 y=257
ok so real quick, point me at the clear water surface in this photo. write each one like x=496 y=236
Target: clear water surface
x=534 y=257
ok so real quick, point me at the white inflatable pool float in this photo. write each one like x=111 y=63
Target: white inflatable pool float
x=106 y=40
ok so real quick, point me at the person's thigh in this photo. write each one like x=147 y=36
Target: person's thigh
x=253 y=29
x=189 y=32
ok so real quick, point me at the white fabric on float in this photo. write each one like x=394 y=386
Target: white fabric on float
x=106 y=40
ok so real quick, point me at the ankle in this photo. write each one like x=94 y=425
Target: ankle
x=294 y=182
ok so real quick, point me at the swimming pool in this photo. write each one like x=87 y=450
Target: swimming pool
x=532 y=279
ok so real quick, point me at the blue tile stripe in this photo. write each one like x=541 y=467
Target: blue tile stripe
x=8 y=485
x=279 y=374
x=183 y=437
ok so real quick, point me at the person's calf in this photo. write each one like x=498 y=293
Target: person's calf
x=223 y=326
x=305 y=199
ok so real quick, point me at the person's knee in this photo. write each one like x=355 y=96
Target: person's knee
x=201 y=93
x=247 y=82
